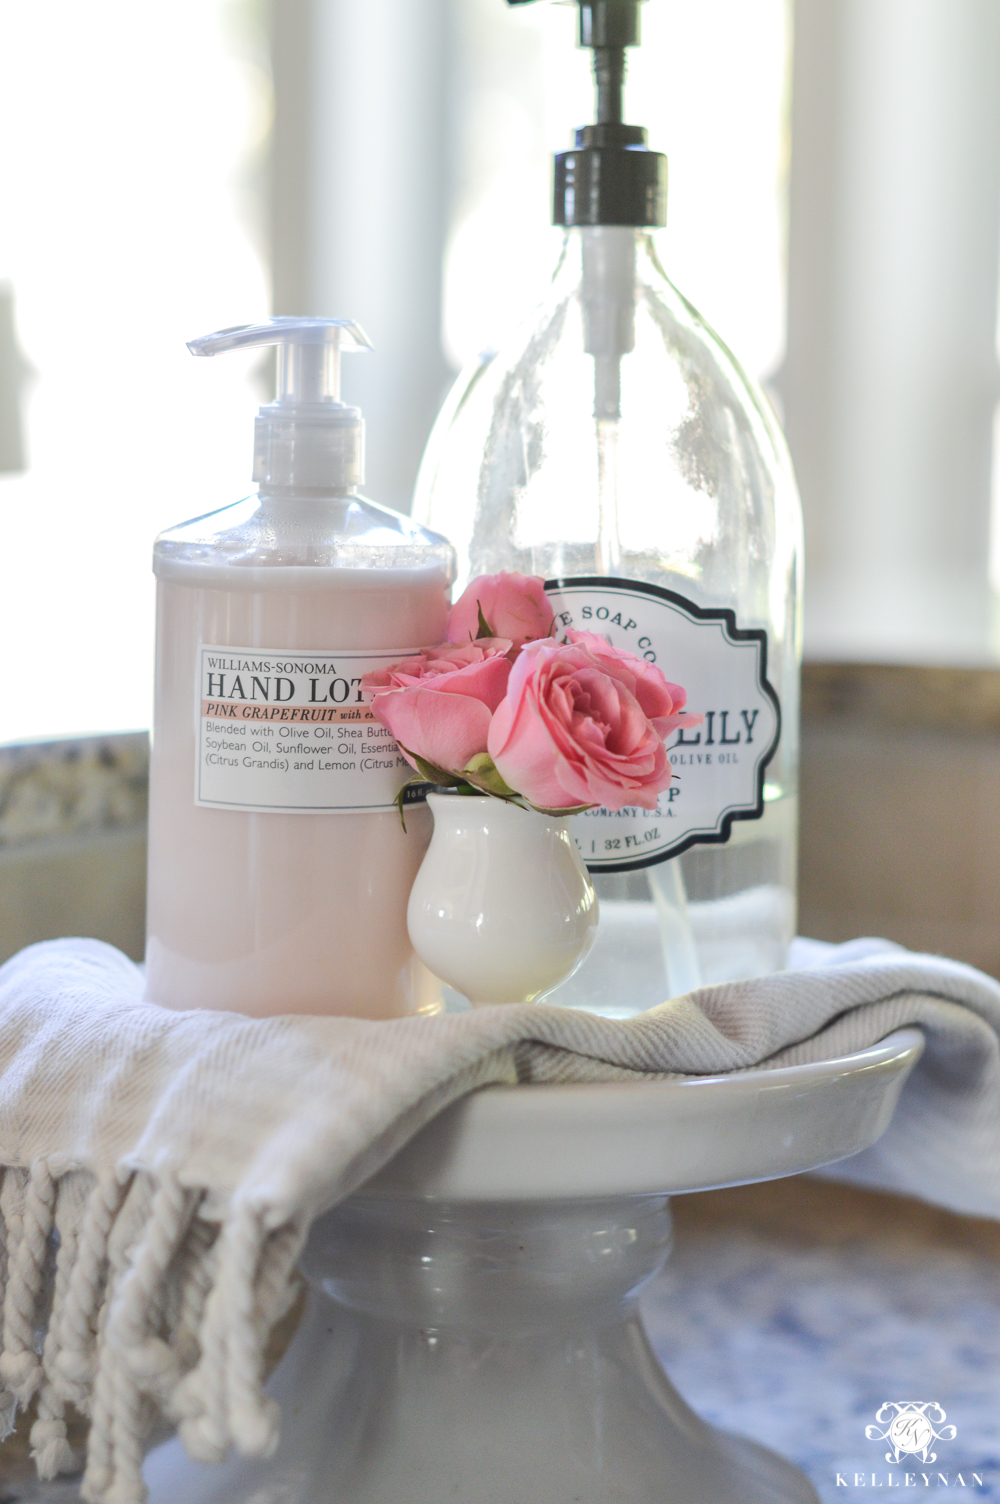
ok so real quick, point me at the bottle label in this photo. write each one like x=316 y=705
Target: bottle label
x=289 y=732
x=719 y=765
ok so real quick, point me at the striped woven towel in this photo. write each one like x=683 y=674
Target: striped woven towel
x=161 y=1170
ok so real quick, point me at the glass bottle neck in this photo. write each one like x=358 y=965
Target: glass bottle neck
x=280 y=495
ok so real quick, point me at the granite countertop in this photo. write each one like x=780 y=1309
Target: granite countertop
x=790 y=1312
x=57 y=788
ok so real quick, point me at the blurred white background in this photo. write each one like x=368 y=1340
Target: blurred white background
x=710 y=83
x=128 y=225
x=170 y=170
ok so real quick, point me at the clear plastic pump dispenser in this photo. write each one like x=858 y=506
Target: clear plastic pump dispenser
x=616 y=447
x=308 y=462
x=278 y=868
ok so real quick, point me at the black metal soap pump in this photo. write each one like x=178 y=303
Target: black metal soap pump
x=610 y=176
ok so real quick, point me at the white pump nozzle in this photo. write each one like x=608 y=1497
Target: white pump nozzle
x=307 y=438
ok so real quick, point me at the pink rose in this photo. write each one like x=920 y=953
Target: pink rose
x=571 y=731
x=513 y=605
x=659 y=699
x=439 y=705
x=429 y=663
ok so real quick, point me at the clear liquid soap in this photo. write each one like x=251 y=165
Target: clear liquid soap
x=616 y=448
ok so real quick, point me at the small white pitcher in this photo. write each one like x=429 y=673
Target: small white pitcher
x=502 y=909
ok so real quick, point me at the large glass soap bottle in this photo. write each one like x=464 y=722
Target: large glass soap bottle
x=616 y=448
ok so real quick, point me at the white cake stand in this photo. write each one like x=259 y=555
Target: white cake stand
x=472 y=1334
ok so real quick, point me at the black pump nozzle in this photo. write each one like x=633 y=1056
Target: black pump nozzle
x=608 y=27
x=610 y=177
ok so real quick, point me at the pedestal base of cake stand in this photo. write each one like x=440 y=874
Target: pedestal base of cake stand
x=472 y=1333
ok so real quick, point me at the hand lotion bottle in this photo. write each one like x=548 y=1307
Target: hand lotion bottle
x=279 y=870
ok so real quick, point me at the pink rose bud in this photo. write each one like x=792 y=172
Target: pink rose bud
x=512 y=605
x=439 y=705
x=571 y=731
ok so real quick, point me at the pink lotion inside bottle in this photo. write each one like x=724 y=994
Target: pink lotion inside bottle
x=279 y=869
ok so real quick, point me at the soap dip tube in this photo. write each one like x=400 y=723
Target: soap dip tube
x=279 y=869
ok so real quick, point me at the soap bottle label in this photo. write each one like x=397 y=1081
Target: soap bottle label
x=718 y=766
x=289 y=732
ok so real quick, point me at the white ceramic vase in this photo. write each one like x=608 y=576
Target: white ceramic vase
x=503 y=908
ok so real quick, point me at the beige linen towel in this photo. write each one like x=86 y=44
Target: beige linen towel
x=161 y=1170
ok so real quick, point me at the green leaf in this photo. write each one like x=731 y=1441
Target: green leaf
x=574 y=809
x=432 y=774
x=400 y=796
x=428 y=772
x=485 y=630
x=481 y=771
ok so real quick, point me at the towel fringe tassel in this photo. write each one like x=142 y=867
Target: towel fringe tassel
x=121 y=1301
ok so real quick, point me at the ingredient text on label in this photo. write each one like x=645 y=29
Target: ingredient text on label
x=289 y=732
